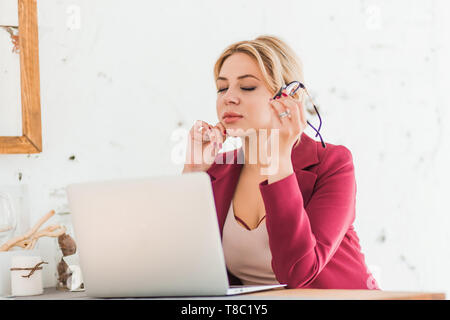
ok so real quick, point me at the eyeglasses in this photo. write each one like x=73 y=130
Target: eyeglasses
x=291 y=89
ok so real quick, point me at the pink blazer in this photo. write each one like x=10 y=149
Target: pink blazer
x=309 y=217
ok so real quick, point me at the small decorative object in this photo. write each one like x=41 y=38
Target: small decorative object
x=26 y=275
x=67 y=244
x=5 y=266
x=69 y=271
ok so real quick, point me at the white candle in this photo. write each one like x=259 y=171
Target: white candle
x=22 y=283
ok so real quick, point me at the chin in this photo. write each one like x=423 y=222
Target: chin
x=240 y=131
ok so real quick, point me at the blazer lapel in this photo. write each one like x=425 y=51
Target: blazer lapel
x=304 y=156
x=226 y=169
x=224 y=176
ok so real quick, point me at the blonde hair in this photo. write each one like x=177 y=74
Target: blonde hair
x=277 y=62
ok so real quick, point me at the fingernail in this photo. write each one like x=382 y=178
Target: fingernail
x=284 y=94
x=215 y=144
x=220 y=145
x=278 y=97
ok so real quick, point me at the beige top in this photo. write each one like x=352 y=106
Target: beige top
x=247 y=253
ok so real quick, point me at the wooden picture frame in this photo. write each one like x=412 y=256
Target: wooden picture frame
x=31 y=139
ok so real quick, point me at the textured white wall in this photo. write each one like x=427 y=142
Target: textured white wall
x=377 y=69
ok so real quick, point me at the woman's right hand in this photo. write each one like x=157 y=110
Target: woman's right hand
x=204 y=143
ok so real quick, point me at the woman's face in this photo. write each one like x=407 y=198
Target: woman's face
x=242 y=90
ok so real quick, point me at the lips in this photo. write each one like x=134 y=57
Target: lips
x=231 y=119
x=231 y=114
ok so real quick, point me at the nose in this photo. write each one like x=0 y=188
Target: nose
x=231 y=98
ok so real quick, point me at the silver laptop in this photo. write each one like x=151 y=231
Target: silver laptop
x=150 y=237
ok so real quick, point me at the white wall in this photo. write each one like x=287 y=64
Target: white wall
x=377 y=69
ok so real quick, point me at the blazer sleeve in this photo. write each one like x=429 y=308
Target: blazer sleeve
x=303 y=240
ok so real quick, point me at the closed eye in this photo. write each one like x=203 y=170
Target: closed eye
x=246 y=89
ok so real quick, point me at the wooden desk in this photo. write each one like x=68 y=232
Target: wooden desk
x=348 y=294
x=276 y=294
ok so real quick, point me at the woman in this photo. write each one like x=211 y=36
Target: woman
x=285 y=204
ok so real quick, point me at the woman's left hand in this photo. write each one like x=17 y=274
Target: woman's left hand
x=291 y=126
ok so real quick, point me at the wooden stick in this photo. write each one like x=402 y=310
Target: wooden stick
x=50 y=231
x=31 y=245
x=9 y=244
x=6 y=229
x=23 y=244
x=40 y=223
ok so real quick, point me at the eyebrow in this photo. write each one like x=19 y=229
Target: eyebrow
x=240 y=77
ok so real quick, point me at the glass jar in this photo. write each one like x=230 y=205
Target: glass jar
x=68 y=272
x=8 y=218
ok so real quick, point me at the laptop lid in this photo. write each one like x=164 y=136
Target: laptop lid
x=154 y=236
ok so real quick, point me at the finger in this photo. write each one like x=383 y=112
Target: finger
x=222 y=130
x=299 y=101
x=301 y=113
x=200 y=130
x=278 y=108
x=199 y=127
x=295 y=113
x=285 y=98
x=218 y=135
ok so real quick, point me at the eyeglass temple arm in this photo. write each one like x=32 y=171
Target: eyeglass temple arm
x=318 y=133
x=318 y=114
